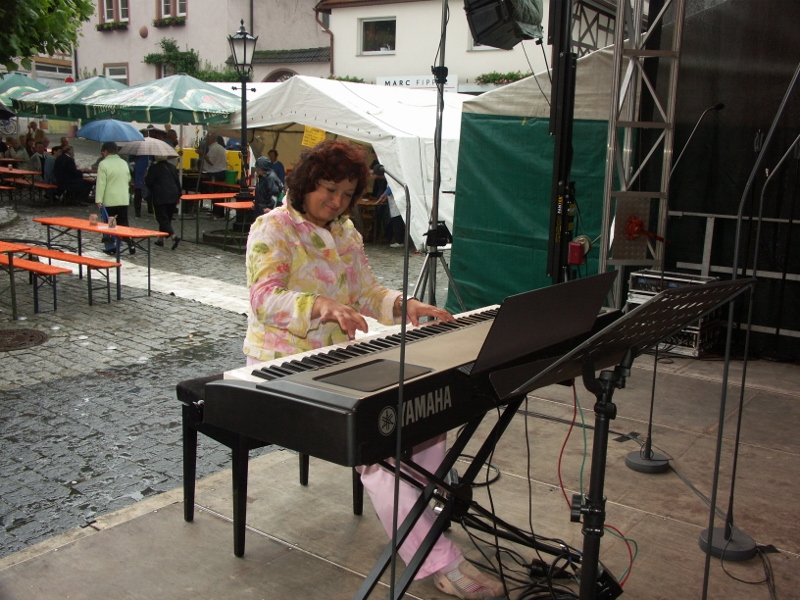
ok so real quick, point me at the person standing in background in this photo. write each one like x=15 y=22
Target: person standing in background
x=140 y=165
x=268 y=189
x=216 y=164
x=277 y=166
x=215 y=159
x=396 y=229
x=113 y=182
x=165 y=191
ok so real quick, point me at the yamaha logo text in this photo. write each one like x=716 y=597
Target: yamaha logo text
x=415 y=409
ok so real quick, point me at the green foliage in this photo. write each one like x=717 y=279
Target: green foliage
x=346 y=78
x=179 y=61
x=111 y=25
x=188 y=61
x=209 y=73
x=495 y=78
x=30 y=27
x=169 y=21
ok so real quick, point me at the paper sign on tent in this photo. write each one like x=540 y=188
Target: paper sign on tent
x=312 y=136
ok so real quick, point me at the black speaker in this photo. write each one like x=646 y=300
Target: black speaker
x=504 y=23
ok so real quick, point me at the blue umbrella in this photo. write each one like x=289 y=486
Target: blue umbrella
x=110 y=130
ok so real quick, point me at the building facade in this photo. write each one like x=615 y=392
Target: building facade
x=123 y=32
x=395 y=43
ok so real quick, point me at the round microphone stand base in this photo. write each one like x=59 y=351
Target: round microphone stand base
x=655 y=463
x=739 y=547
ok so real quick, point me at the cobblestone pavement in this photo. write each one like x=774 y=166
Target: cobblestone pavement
x=89 y=422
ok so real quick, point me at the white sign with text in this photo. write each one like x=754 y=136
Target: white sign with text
x=418 y=81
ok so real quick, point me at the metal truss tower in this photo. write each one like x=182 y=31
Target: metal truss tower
x=640 y=133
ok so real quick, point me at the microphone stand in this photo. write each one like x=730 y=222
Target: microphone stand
x=775 y=355
x=438 y=234
x=735 y=545
x=645 y=460
x=380 y=170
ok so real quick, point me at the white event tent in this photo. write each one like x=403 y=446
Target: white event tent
x=399 y=123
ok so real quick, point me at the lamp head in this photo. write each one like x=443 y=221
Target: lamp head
x=243 y=46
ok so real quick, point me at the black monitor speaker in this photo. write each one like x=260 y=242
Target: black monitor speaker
x=504 y=23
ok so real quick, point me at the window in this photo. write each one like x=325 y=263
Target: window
x=114 y=11
x=478 y=47
x=378 y=36
x=166 y=70
x=172 y=8
x=117 y=72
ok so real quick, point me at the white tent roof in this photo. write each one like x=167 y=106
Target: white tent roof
x=593 y=82
x=398 y=123
x=235 y=87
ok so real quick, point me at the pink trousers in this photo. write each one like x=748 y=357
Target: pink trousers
x=379 y=484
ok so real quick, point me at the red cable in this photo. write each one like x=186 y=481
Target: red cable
x=564 y=445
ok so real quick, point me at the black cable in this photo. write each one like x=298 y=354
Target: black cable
x=546 y=64
x=769 y=577
x=489 y=467
x=533 y=73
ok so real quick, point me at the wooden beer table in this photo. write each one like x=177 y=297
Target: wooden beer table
x=72 y=227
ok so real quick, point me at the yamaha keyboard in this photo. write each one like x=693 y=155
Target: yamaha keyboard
x=340 y=404
x=312 y=403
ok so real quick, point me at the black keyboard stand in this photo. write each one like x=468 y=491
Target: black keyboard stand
x=453 y=504
x=614 y=346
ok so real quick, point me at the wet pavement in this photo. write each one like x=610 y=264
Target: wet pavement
x=89 y=421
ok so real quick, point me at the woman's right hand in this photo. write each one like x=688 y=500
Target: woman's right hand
x=348 y=319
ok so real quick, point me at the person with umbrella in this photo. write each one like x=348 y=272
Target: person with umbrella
x=113 y=181
x=165 y=191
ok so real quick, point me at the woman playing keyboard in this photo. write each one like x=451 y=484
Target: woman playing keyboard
x=310 y=287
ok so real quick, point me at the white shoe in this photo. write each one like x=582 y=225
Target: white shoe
x=395 y=245
x=468 y=583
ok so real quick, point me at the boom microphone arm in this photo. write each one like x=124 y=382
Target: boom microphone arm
x=716 y=108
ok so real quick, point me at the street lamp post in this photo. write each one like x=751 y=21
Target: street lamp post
x=243 y=46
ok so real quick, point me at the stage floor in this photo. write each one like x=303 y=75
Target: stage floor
x=304 y=542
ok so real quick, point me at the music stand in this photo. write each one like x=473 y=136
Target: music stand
x=618 y=344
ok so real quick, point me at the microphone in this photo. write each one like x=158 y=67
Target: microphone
x=716 y=108
x=379 y=169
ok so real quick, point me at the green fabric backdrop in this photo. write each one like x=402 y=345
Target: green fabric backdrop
x=502 y=206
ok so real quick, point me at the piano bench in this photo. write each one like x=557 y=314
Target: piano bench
x=189 y=393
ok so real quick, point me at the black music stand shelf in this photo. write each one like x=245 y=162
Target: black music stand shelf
x=617 y=345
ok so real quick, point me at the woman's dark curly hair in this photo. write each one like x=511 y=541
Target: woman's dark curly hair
x=331 y=160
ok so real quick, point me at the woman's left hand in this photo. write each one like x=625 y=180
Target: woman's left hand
x=416 y=310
